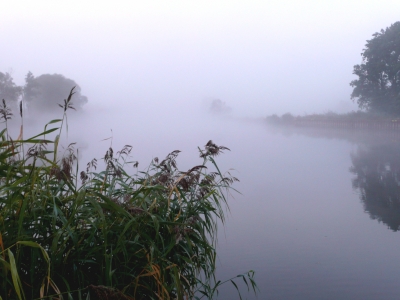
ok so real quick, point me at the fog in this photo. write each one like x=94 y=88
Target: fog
x=261 y=57
x=156 y=67
x=152 y=69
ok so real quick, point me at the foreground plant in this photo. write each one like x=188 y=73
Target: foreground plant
x=66 y=234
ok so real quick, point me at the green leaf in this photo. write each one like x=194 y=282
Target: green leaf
x=14 y=275
x=42 y=133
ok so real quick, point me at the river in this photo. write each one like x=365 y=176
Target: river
x=318 y=212
x=318 y=217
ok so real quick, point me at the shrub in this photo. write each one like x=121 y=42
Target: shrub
x=66 y=234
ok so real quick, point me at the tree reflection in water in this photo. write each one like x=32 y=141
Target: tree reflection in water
x=377 y=170
x=376 y=165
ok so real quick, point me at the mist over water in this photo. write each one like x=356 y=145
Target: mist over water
x=299 y=221
x=303 y=224
x=313 y=217
x=309 y=219
x=152 y=131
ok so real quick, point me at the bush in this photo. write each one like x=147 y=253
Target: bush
x=106 y=234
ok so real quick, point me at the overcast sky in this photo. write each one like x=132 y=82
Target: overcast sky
x=260 y=57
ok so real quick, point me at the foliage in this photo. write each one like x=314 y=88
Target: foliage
x=219 y=107
x=31 y=88
x=45 y=91
x=8 y=89
x=378 y=85
x=66 y=234
x=41 y=93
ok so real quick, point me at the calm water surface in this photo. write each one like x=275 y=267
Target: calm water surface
x=318 y=215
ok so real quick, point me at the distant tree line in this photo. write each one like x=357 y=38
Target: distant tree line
x=289 y=119
x=44 y=92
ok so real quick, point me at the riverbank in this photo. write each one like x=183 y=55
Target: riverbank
x=353 y=120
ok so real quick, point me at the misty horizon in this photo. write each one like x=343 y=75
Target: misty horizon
x=259 y=58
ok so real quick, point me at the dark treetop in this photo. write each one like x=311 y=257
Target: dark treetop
x=378 y=85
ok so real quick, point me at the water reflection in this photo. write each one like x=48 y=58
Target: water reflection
x=376 y=166
x=296 y=185
x=377 y=177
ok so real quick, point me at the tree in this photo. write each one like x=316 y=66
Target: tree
x=9 y=91
x=31 y=88
x=378 y=85
x=48 y=90
x=219 y=107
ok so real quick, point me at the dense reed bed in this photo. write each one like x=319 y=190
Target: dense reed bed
x=102 y=233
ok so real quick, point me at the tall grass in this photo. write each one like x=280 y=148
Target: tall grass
x=106 y=234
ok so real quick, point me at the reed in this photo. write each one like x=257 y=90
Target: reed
x=106 y=234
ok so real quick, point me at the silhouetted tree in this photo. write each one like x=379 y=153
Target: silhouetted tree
x=47 y=91
x=377 y=171
x=273 y=119
x=218 y=106
x=9 y=91
x=378 y=85
x=287 y=118
x=31 y=88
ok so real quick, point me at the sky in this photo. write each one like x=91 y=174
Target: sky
x=259 y=57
